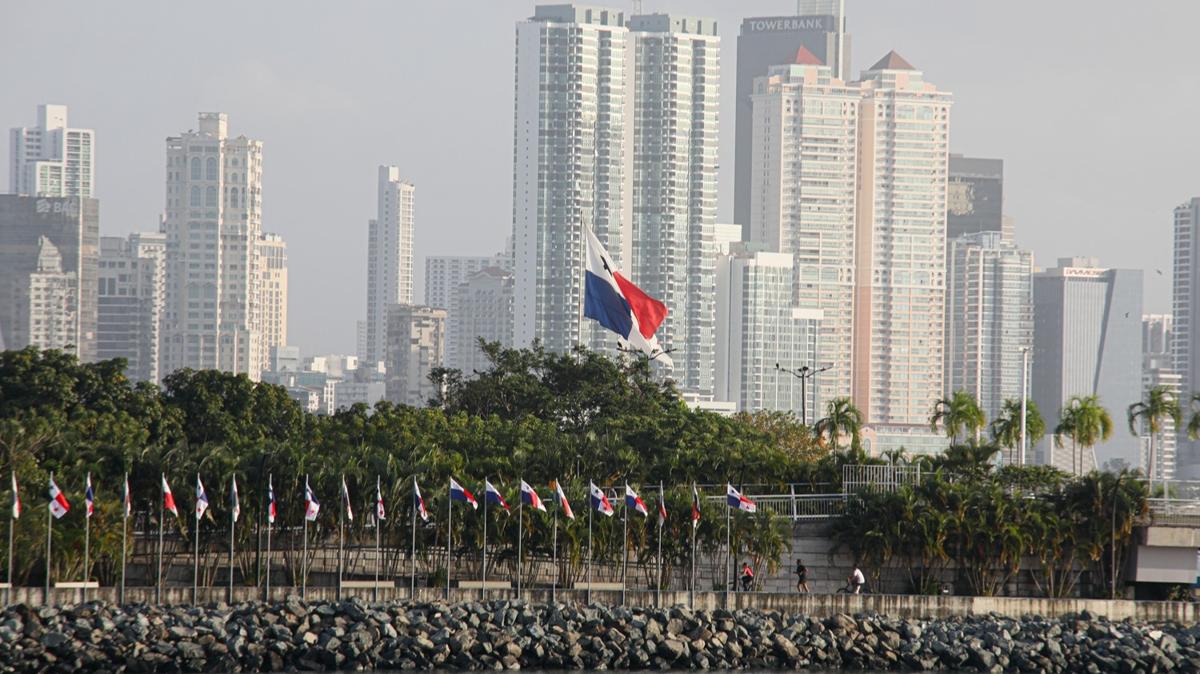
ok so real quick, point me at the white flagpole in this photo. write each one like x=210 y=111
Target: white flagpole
x=304 y=552
x=449 y=536
x=124 y=534
x=729 y=552
x=232 y=527
x=658 y=572
x=341 y=544
x=271 y=495
x=624 y=541
x=591 y=507
x=520 y=535
x=87 y=541
x=12 y=524
x=692 y=583
x=49 y=530
x=554 y=552
x=196 y=553
x=378 y=550
x=483 y=569
x=161 y=514
x=412 y=559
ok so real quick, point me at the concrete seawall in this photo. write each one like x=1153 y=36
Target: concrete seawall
x=898 y=606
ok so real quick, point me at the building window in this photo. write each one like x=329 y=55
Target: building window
x=233 y=197
x=195 y=168
x=211 y=171
x=210 y=198
x=195 y=201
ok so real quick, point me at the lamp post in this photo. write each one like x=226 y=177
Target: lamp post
x=803 y=373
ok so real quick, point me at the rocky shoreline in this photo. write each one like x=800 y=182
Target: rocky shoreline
x=356 y=635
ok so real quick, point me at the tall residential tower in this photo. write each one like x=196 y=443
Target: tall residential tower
x=52 y=159
x=390 y=240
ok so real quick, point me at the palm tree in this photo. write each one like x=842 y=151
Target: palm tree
x=1160 y=404
x=1006 y=428
x=1086 y=422
x=841 y=418
x=960 y=412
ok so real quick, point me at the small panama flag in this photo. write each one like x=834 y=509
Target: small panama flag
x=419 y=502
x=346 y=500
x=662 y=506
x=600 y=500
x=89 y=497
x=562 y=500
x=493 y=495
x=617 y=304
x=530 y=497
x=380 y=513
x=235 y=506
x=459 y=493
x=735 y=499
x=16 y=498
x=58 y=501
x=272 y=511
x=201 y=498
x=168 y=497
x=127 y=498
x=695 y=506
x=311 y=506
x=632 y=500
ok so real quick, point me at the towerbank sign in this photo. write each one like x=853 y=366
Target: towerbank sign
x=775 y=24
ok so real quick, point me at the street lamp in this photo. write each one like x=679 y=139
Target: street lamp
x=803 y=373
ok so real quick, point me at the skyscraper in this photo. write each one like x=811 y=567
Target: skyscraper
x=900 y=244
x=273 y=294
x=390 y=239
x=49 y=255
x=1157 y=370
x=819 y=27
x=52 y=159
x=676 y=73
x=805 y=156
x=571 y=166
x=975 y=197
x=482 y=309
x=132 y=296
x=989 y=318
x=1088 y=341
x=1185 y=312
x=443 y=276
x=759 y=328
x=416 y=338
x=213 y=225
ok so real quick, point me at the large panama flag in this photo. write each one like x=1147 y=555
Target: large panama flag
x=618 y=305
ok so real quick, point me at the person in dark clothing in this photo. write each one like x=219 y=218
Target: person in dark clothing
x=747 y=577
x=801 y=577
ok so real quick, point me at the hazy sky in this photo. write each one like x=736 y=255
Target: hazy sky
x=1094 y=106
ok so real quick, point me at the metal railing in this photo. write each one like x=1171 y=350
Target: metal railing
x=880 y=478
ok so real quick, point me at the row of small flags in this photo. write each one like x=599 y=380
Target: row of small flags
x=59 y=506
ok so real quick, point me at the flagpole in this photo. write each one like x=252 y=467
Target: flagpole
x=695 y=523
x=589 y=568
x=728 y=551
x=624 y=541
x=554 y=553
x=412 y=558
x=12 y=524
x=483 y=568
x=161 y=515
x=378 y=550
x=341 y=544
x=520 y=535
x=304 y=551
x=232 y=526
x=49 y=530
x=449 y=536
x=658 y=572
x=196 y=553
x=124 y=539
x=87 y=540
x=271 y=495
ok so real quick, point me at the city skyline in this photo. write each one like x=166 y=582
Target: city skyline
x=289 y=89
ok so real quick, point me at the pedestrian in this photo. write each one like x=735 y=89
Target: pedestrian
x=801 y=576
x=856 y=580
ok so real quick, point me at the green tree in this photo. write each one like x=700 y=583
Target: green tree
x=1006 y=427
x=958 y=414
x=841 y=418
x=1086 y=423
x=1159 y=406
